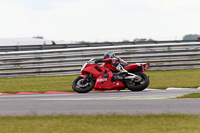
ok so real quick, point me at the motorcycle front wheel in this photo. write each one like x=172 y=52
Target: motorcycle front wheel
x=138 y=84
x=82 y=87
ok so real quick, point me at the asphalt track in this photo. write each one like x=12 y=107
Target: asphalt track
x=149 y=101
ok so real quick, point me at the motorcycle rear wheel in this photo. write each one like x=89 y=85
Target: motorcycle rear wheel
x=140 y=84
x=80 y=87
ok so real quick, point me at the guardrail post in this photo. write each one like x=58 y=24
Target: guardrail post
x=42 y=47
x=66 y=45
x=18 y=47
x=88 y=44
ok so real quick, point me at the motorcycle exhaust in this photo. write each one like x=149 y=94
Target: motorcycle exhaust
x=130 y=77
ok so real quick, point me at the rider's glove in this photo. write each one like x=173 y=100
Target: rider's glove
x=98 y=60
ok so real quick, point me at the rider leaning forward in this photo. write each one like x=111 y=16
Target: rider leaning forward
x=112 y=62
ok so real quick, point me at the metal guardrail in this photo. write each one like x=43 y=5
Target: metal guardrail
x=68 y=61
x=77 y=45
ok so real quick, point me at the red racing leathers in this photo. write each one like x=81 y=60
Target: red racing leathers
x=112 y=63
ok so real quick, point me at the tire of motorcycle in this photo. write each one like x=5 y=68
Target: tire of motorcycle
x=83 y=88
x=138 y=86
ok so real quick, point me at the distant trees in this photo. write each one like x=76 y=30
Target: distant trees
x=191 y=37
x=38 y=37
x=141 y=40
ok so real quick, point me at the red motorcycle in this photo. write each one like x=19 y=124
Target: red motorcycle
x=102 y=78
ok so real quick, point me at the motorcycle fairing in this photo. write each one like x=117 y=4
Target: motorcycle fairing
x=103 y=83
x=131 y=67
x=95 y=71
x=143 y=66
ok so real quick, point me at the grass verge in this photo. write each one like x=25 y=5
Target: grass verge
x=174 y=78
x=101 y=124
x=158 y=80
x=192 y=95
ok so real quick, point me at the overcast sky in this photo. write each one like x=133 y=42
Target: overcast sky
x=99 y=20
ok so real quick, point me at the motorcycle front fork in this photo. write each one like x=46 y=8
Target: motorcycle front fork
x=86 y=78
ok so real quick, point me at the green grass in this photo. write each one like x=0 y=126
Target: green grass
x=37 y=84
x=174 y=78
x=158 y=80
x=101 y=124
x=192 y=95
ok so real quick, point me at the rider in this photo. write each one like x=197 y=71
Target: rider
x=112 y=62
